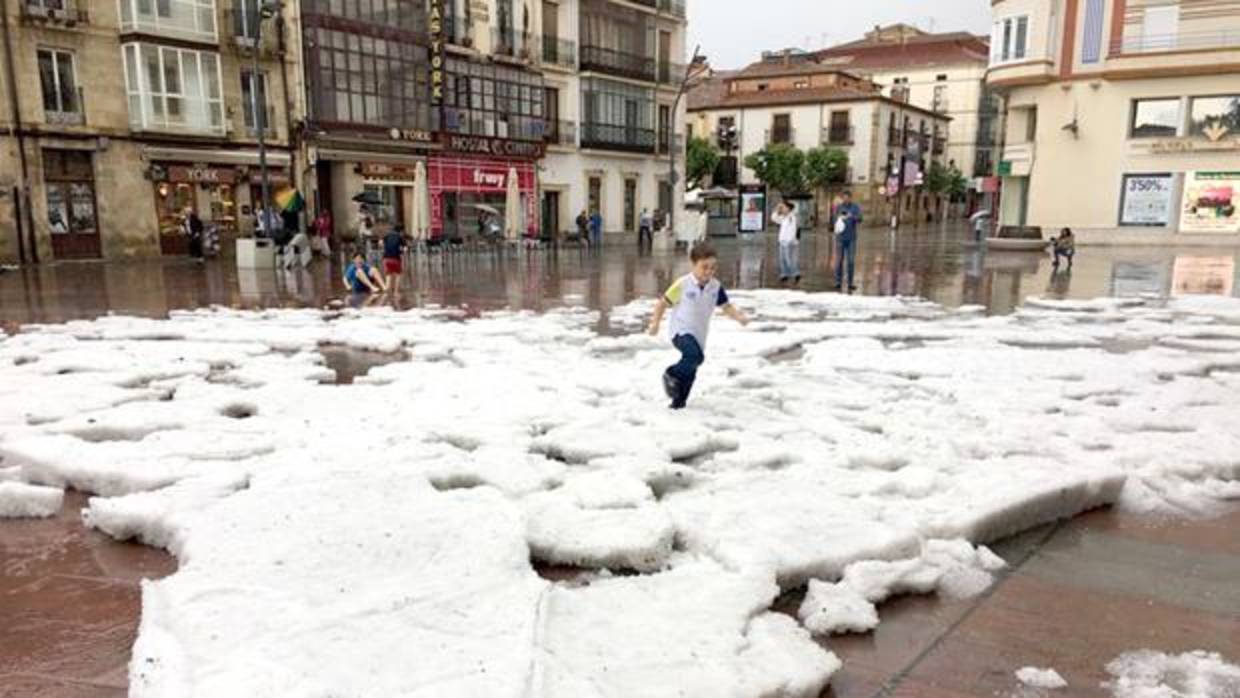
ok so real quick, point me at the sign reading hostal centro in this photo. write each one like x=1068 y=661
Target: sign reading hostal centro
x=1210 y=201
x=493 y=147
x=1147 y=199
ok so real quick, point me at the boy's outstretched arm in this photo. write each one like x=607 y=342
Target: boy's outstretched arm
x=659 y=309
x=735 y=313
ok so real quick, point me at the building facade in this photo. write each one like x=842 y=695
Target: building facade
x=802 y=102
x=123 y=114
x=945 y=73
x=572 y=97
x=1122 y=118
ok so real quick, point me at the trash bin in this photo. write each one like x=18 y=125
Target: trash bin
x=256 y=253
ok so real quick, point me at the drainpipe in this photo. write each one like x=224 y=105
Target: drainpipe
x=292 y=136
x=23 y=194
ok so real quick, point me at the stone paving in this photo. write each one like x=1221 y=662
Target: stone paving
x=1077 y=594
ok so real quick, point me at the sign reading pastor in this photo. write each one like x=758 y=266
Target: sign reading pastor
x=437 y=52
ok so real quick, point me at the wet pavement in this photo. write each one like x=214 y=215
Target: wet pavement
x=934 y=263
x=1077 y=594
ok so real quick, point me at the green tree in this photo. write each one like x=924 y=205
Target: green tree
x=938 y=178
x=701 y=161
x=958 y=185
x=826 y=166
x=781 y=167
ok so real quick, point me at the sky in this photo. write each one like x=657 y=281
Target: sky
x=732 y=34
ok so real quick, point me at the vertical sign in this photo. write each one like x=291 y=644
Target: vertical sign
x=437 y=53
x=752 y=210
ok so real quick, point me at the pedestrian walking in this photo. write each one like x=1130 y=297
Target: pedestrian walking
x=583 y=227
x=394 y=247
x=596 y=229
x=193 y=228
x=789 y=245
x=1064 y=246
x=323 y=229
x=645 y=229
x=693 y=300
x=847 y=217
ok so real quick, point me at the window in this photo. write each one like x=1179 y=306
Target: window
x=1009 y=39
x=595 y=188
x=363 y=79
x=1091 y=43
x=187 y=19
x=254 y=101
x=840 y=131
x=1215 y=117
x=781 y=128
x=665 y=128
x=630 y=204
x=1155 y=118
x=762 y=87
x=492 y=100
x=800 y=85
x=245 y=19
x=173 y=89
x=387 y=15
x=60 y=95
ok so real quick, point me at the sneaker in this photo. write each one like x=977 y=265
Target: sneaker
x=852 y=289
x=783 y=279
x=796 y=279
x=671 y=386
x=839 y=287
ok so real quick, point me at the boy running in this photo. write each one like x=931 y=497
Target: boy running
x=693 y=300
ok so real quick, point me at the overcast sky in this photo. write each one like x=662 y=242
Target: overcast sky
x=733 y=33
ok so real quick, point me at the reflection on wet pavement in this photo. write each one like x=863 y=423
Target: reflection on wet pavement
x=932 y=263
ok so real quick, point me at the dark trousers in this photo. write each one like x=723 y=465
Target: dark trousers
x=1066 y=254
x=685 y=370
x=847 y=249
x=645 y=236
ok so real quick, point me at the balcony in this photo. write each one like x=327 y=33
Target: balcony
x=618 y=63
x=780 y=136
x=458 y=30
x=652 y=4
x=510 y=43
x=895 y=137
x=838 y=135
x=672 y=74
x=244 y=24
x=561 y=133
x=269 y=120
x=629 y=139
x=666 y=141
x=938 y=144
x=676 y=8
x=559 y=52
x=75 y=115
x=1182 y=41
x=55 y=13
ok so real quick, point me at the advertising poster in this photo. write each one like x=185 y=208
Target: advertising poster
x=1210 y=200
x=1211 y=276
x=1147 y=199
x=752 y=208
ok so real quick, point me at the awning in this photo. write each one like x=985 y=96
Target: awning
x=341 y=155
x=220 y=157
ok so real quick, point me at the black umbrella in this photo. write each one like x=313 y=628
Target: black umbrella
x=369 y=198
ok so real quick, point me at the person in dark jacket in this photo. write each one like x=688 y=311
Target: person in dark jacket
x=194 y=230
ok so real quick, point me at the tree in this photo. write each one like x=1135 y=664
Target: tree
x=701 y=161
x=781 y=167
x=826 y=166
x=958 y=185
x=938 y=178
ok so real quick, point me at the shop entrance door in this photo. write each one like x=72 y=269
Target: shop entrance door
x=551 y=215
x=72 y=216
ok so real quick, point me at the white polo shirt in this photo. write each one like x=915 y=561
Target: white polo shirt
x=693 y=304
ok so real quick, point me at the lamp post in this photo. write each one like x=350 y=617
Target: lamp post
x=266 y=10
x=671 y=149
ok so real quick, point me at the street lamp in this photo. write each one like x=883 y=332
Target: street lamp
x=266 y=10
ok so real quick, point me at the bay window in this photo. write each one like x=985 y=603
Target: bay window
x=183 y=19
x=173 y=89
x=1009 y=40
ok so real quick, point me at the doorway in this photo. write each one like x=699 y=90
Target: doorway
x=551 y=215
x=69 y=177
